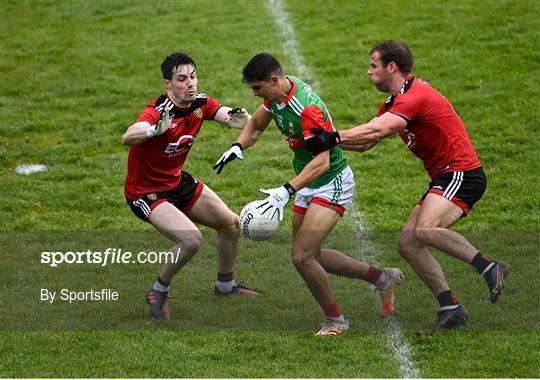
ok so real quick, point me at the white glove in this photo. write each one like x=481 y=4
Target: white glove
x=235 y=151
x=238 y=118
x=161 y=127
x=277 y=199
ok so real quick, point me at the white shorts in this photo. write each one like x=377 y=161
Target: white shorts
x=335 y=195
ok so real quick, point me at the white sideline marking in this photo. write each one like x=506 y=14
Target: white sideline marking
x=290 y=43
x=395 y=338
x=30 y=169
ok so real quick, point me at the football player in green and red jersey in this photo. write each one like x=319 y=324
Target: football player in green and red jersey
x=323 y=187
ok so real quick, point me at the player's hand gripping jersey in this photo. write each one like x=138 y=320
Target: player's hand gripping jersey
x=156 y=164
x=302 y=110
x=434 y=131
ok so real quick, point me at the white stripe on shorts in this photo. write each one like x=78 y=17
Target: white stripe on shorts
x=454 y=185
x=140 y=203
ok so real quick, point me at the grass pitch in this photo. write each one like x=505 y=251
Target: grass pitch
x=75 y=74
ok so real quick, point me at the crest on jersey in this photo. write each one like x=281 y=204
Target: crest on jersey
x=198 y=113
x=152 y=196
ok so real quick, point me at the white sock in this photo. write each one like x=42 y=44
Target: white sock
x=160 y=288
x=225 y=287
x=341 y=318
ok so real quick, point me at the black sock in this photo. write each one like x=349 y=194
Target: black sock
x=480 y=262
x=447 y=298
x=165 y=284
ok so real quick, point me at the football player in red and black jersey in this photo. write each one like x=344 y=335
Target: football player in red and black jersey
x=429 y=126
x=161 y=193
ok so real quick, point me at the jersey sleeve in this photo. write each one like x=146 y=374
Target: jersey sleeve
x=150 y=114
x=211 y=108
x=407 y=105
x=266 y=106
x=313 y=117
x=382 y=109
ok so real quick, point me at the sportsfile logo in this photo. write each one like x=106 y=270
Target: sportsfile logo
x=109 y=256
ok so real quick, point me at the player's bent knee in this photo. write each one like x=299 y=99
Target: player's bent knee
x=302 y=259
x=407 y=243
x=192 y=242
x=423 y=235
x=230 y=223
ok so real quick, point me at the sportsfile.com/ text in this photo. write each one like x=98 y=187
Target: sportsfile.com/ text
x=109 y=256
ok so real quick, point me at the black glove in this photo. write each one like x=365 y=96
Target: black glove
x=323 y=140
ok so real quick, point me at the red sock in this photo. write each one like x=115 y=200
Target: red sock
x=225 y=277
x=373 y=274
x=332 y=310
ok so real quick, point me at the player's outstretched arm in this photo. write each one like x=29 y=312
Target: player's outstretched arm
x=249 y=135
x=232 y=117
x=365 y=136
x=142 y=130
x=359 y=138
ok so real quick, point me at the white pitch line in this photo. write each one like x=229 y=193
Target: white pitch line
x=290 y=43
x=395 y=339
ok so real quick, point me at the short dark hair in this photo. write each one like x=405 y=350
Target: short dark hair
x=171 y=62
x=395 y=51
x=261 y=67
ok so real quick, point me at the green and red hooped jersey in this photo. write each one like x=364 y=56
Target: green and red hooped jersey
x=302 y=110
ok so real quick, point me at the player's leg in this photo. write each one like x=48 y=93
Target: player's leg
x=315 y=226
x=451 y=197
x=172 y=223
x=336 y=196
x=451 y=313
x=437 y=215
x=334 y=261
x=417 y=256
x=211 y=211
x=309 y=232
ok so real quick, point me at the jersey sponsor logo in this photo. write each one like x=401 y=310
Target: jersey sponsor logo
x=183 y=144
x=279 y=121
x=291 y=127
x=292 y=141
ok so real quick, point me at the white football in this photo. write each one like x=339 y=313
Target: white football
x=256 y=226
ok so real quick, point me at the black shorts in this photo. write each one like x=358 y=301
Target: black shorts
x=183 y=197
x=463 y=189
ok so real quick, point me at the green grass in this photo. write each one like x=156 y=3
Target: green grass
x=74 y=75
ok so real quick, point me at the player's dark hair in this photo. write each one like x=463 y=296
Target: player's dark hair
x=171 y=63
x=261 y=68
x=395 y=51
